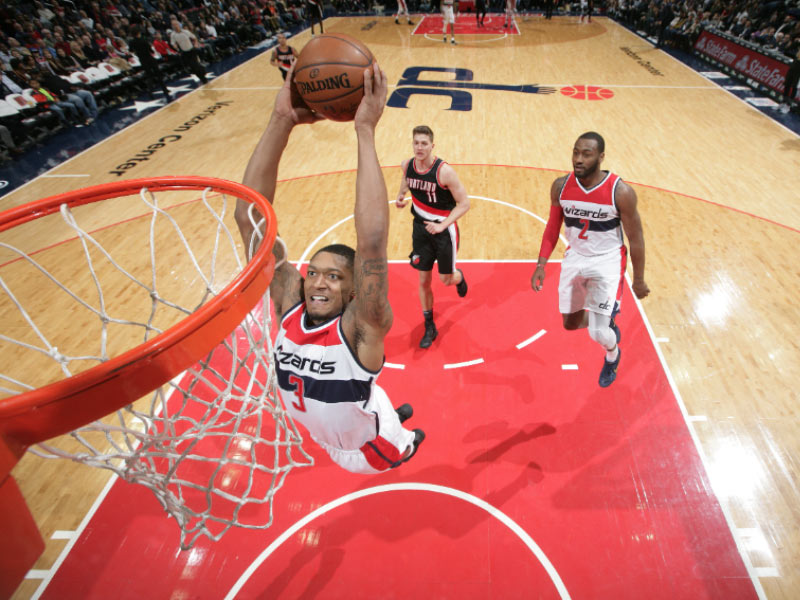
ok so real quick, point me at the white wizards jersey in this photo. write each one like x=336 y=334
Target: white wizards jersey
x=322 y=384
x=591 y=220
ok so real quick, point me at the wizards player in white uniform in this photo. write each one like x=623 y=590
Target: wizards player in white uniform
x=329 y=349
x=595 y=206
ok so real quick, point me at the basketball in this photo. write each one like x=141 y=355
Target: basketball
x=329 y=75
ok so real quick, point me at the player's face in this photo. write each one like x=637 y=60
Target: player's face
x=586 y=158
x=281 y=40
x=423 y=146
x=328 y=286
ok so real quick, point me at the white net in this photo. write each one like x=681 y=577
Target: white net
x=214 y=444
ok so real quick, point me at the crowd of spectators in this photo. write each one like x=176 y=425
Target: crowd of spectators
x=773 y=26
x=43 y=44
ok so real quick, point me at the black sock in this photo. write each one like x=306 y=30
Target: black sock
x=428 y=314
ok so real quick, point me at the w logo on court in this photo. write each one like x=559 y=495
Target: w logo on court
x=410 y=84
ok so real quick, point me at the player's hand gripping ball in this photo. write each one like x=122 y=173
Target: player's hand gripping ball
x=329 y=75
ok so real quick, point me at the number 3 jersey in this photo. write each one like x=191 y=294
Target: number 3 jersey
x=429 y=200
x=591 y=219
x=321 y=382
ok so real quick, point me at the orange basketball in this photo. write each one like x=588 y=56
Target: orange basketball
x=329 y=75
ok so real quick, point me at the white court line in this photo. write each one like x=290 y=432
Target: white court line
x=747 y=104
x=393 y=366
x=468 y=363
x=62 y=535
x=767 y=572
x=46 y=176
x=37 y=574
x=531 y=339
x=699 y=447
x=424 y=487
x=310 y=247
x=77 y=533
x=569 y=367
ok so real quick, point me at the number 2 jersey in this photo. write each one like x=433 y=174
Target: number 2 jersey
x=321 y=382
x=429 y=200
x=591 y=220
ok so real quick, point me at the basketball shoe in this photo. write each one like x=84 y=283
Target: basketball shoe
x=609 y=372
x=430 y=335
x=461 y=287
x=419 y=437
x=405 y=412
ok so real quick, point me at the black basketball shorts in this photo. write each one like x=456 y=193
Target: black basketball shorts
x=429 y=248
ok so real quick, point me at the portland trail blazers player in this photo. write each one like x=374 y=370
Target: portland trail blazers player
x=438 y=200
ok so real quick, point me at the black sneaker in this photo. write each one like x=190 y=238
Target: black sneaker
x=617 y=332
x=461 y=288
x=419 y=437
x=405 y=412
x=396 y=22
x=609 y=372
x=410 y=22
x=430 y=335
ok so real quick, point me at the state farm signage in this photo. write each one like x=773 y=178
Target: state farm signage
x=746 y=62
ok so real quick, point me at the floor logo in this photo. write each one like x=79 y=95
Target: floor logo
x=411 y=84
x=587 y=92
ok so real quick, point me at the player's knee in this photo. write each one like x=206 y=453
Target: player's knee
x=446 y=279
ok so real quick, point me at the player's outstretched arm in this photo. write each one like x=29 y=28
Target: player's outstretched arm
x=550 y=235
x=450 y=180
x=400 y=201
x=632 y=224
x=261 y=175
x=368 y=318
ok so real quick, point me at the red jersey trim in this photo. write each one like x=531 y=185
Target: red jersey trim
x=426 y=171
x=428 y=208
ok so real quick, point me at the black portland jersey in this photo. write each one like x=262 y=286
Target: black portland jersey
x=429 y=200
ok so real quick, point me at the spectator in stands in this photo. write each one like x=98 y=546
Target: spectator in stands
x=142 y=47
x=790 y=84
x=83 y=100
x=8 y=141
x=49 y=100
x=186 y=43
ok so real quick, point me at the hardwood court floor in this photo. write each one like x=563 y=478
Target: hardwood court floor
x=717 y=191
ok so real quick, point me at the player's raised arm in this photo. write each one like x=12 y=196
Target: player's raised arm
x=262 y=176
x=369 y=317
x=632 y=225
x=550 y=236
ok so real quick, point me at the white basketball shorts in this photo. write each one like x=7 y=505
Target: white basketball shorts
x=591 y=282
x=447 y=12
x=383 y=452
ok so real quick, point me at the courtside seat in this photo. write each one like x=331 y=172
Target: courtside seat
x=33 y=115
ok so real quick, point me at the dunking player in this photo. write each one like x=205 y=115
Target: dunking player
x=448 y=17
x=593 y=204
x=329 y=349
x=402 y=9
x=438 y=200
x=283 y=56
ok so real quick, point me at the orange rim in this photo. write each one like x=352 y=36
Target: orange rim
x=65 y=405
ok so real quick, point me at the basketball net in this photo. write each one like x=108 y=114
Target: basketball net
x=214 y=444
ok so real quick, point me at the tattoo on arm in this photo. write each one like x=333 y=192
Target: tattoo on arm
x=372 y=289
